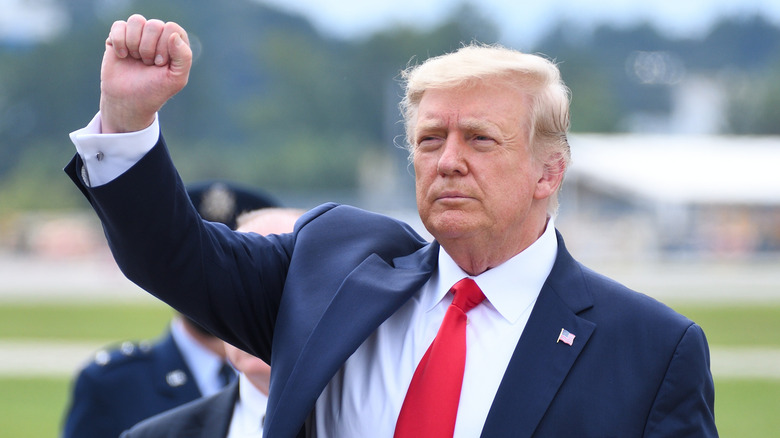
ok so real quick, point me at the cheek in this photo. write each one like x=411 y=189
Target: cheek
x=426 y=160
x=420 y=164
x=511 y=191
x=423 y=173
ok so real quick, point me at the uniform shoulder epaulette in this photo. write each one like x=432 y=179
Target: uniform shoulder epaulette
x=125 y=351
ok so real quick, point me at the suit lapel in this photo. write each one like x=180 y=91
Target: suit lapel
x=215 y=420
x=540 y=364
x=367 y=297
x=207 y=417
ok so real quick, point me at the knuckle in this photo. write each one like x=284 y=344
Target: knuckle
x=155 y=25
x=173 y=27
x=118 y=26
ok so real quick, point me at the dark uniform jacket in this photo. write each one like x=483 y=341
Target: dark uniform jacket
x=124 y=386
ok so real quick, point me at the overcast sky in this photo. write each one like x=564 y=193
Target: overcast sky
x=526 y=21
x=520 y=22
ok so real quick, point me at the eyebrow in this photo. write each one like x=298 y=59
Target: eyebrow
x=470 y=124
x=477 y=125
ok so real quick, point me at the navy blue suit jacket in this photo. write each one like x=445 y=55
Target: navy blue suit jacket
x=305 y=301
x=207 y=417
x=126 y=385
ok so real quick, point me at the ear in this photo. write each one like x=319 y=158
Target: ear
x=553 y=168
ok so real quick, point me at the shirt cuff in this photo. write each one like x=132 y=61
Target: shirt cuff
x=107 y=156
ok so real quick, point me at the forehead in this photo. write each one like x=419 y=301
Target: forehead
x=492 y=103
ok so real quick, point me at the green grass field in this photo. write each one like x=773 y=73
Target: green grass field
x=79 y=322
x=737 y=325
x=33 y=406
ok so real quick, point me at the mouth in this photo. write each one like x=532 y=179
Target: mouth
x=452 y=197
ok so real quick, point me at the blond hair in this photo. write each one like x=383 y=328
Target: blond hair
x=535 y=76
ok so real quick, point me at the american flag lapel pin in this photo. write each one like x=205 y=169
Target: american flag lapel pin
x=565 y=337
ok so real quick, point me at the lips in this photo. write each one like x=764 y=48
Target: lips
x=452 y=196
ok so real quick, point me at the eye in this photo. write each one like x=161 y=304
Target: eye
x=429 y=142
x=480 y=141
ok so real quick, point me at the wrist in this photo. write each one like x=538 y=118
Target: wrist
x=116 y=119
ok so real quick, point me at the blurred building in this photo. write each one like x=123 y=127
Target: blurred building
x=673 y=196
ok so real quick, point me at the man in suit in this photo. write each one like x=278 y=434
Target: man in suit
x=239 y=409
x=124 y=385
x=346 y=306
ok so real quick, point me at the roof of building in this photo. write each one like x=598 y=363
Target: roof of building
x=680 y=168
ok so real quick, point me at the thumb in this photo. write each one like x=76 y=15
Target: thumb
x=181 y=55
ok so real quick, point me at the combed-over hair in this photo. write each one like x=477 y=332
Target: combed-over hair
x=536 y=76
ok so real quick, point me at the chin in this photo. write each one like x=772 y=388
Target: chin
x=447 y=230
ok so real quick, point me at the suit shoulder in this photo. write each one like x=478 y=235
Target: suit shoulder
x=206 y=410
x=347 y=214
x=631 y=303
x=344 y=223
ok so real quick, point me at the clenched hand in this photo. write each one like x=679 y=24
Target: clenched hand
x=146 y=62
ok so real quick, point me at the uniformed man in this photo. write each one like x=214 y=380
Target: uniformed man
x=133 y=381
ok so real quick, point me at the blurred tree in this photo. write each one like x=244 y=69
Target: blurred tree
x=749 y=43
x=754 y=101
x=273 y=102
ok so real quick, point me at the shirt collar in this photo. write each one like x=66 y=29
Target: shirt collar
x=511 y=287
x=253 y=402
x=202 y=362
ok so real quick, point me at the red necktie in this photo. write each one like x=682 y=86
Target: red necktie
x=431 y=403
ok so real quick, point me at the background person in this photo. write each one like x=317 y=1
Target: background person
x=347 y=305
x=123 y=385
x=238 y=411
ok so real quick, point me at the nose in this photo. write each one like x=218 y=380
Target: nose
x=453 y=157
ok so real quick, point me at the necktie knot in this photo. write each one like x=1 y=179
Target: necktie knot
x=466 y=294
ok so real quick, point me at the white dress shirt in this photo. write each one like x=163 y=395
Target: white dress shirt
x=203 y=363
x=106 y=156
x=365 y=396
x=249 y=412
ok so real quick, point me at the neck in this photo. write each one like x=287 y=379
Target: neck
x=261 y=383
x=476 y=258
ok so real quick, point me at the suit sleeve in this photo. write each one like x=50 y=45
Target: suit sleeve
x=129 y=434
x=684 y=405
x=231 y=283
